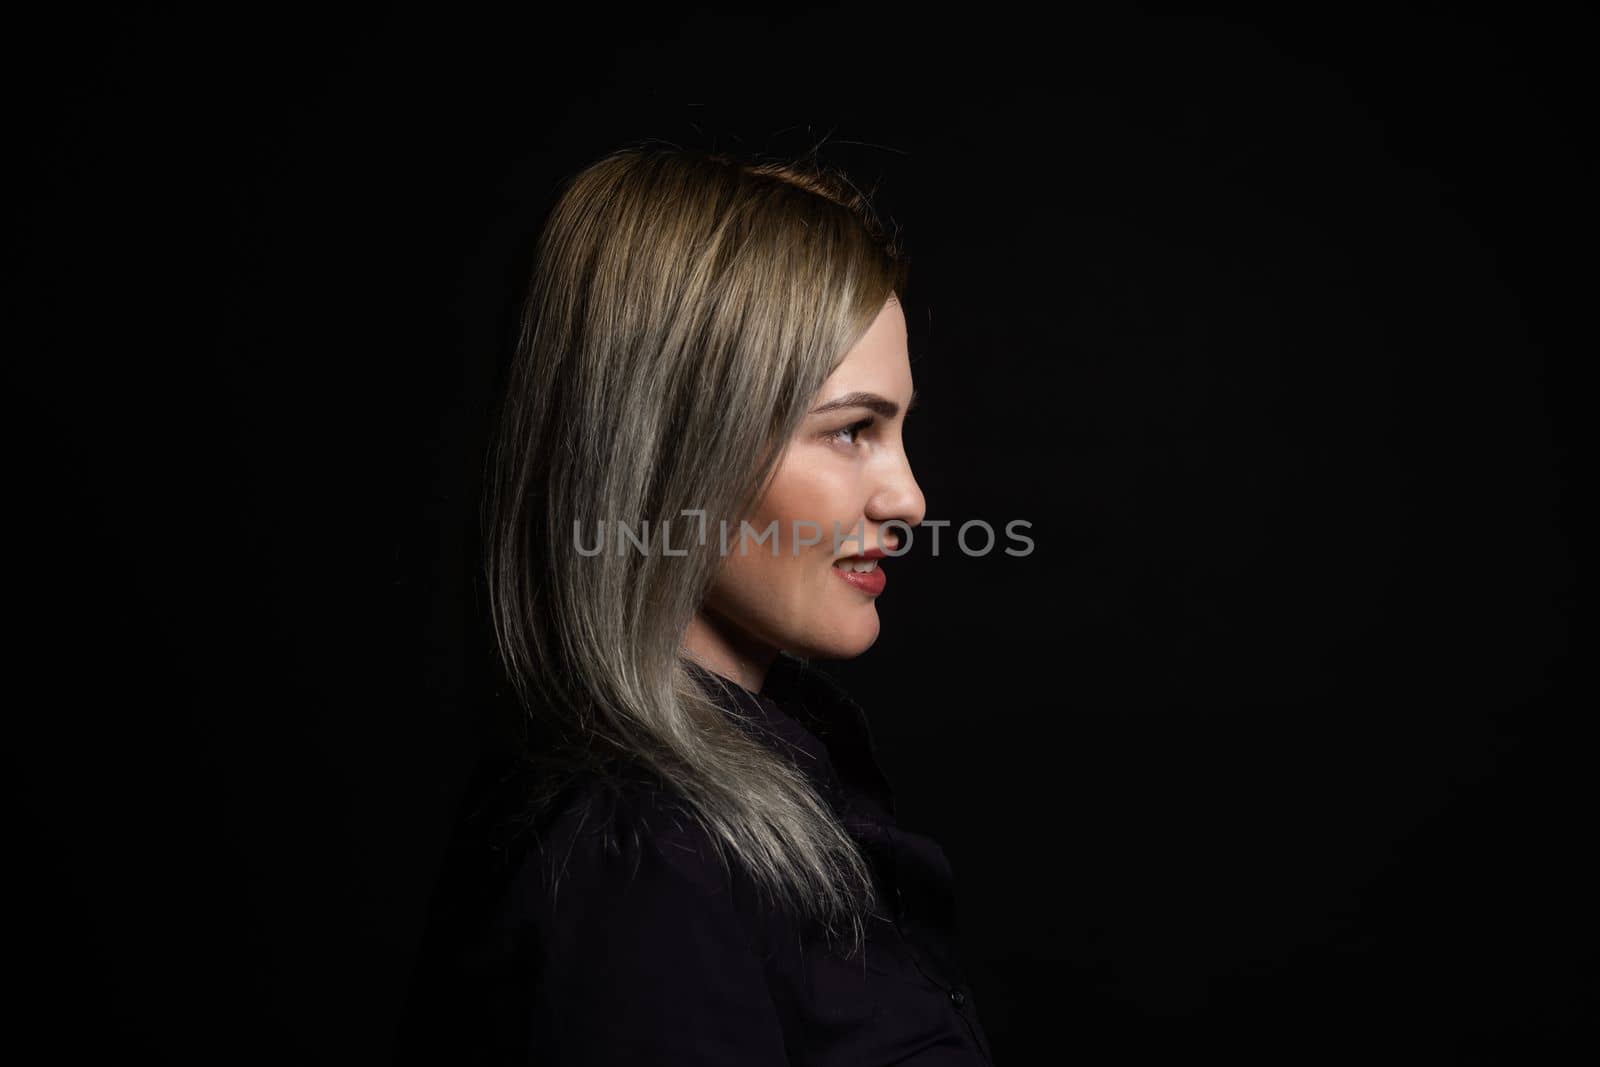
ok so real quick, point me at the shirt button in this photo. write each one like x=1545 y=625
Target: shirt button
x=957 y=997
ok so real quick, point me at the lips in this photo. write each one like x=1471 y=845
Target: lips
x=862 y=572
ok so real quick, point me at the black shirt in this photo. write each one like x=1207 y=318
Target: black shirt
x=656 y=954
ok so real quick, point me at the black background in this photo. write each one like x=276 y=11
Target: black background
x=1270 y=750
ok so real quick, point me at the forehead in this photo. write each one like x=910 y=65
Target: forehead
x=879 y=357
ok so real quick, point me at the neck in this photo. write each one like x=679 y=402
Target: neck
x=725 y=649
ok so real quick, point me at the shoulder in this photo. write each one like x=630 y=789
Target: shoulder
x=613 y=933
x=638 y=909
x=615 y=833
x=612 y=846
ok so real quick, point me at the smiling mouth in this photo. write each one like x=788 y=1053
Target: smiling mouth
x=861 y=572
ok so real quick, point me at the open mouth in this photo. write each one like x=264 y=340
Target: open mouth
x=862 y=572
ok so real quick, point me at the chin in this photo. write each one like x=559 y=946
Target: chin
x=839 y=643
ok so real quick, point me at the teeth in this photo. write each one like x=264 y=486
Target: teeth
x=860 y=566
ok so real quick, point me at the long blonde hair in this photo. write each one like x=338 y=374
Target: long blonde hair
x=685 y=308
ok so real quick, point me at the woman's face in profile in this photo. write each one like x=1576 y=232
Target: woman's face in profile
x=845 y=469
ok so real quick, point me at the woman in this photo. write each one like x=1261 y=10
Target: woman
x=699 y=467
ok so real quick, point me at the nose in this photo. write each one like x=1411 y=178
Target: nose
x=898 y=496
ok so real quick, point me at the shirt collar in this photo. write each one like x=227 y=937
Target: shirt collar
x=808 y=717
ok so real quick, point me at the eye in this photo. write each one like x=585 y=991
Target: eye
x=847 y=434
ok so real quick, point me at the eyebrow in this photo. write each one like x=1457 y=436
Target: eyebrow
x=871 y=401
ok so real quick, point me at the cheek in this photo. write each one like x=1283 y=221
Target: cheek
x=811 y=494
x=779 y=588
x=794 y=598
x=787 y=594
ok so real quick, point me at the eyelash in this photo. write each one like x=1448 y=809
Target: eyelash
x=853 y=429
